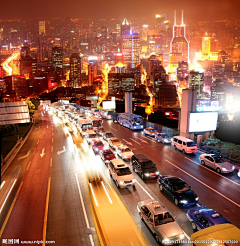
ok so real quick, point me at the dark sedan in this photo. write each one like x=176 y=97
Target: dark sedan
x=107 y=155
x=178 y=190
x=203 y=217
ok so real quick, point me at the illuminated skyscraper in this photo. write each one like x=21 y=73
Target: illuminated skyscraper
x=75 y=70
x=131 y=50
x=125 y=28
x=41 y=25
x=179 y=46
x=92 y=73
x=57 y=54
x=206 y=45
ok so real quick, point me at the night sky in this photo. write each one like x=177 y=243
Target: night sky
x=194 y=10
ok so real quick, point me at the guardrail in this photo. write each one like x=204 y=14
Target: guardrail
x=11 y=155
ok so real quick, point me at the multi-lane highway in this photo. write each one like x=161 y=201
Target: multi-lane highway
x=49 y=196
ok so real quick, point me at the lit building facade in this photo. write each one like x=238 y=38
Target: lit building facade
x=131 y=50
x=125 y=28
x=75 y=70
x=179 y=45
x=57 y=55
x=41 y=26
x=92 y=73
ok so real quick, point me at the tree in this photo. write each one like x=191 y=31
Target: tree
x=31 y=107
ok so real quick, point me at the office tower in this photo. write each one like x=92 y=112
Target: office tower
x=152 y=63
x=57 y=55
x=196 y=82
x=159 y=23
x=41 y=27
x=25 y=51
x=92 y=73
x=131 y=50
x=1 y=71
x=75 y=70
x=28 y=66
x=125 y=28
x=20 y=86
x=104 y=32
x=166 y=96
x=206 y=45
x=179 y=46
x=41 y=48
x=218 y=71
x=182 y=71
x=144 y=32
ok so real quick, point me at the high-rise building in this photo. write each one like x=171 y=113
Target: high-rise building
x=179 y=46
x=92 y=73
x=196 y=82
x=182 y=70
x=125 y=28
x=152 y=63
x=41 y=25
x=57 y=54
x=131 y=50
x=206 y=45
x=75 y=70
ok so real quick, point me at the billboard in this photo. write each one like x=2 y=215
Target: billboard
x=202 y=122
x=109 y=104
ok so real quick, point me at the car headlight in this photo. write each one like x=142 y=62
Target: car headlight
x=165 y=140
x=141 y=126
x=183 y=201
x=165 y=241
x=171 y=139
x=107 y=161
x=157 y=173
x=147 y=174
x=224 y=169
x=121 y=182
x=134 y=180
x=233 y=167
x=196 y=198
x=134 y=127
x=181 y=236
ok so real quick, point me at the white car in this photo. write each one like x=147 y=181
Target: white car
x=163 y=138
x=121 y=173
x=124 y=152
x=150 y=131
x=217 y=163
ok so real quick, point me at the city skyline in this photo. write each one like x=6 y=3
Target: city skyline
x=193 y=10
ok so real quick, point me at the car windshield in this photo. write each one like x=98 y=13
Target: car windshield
x=109 y=135
x=126 y=150
x=123 y=171
x=163 y=218
x=181 y=187
x=97 y=123
x=138 y=121
x=151 y=130
x=147 y=164
x=115 y=141
x=190 y=144
x=165 y=136
x=92 y=135
x=108 y=153
x=99 y=144
x=219 y=160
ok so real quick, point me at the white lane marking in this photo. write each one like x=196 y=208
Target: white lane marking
x=109 y=198
x=145 y=190
x=8 y=195
x=149 y=138
x=95 y=199
x=84 y=210
x=60 y=152
x=24 y=156
x=213 y=172
x=135 y=141
x=113 y=128
x=2 y=184
x=204 y=184
x=127 y=142
x=42 y=154
x=141 y=140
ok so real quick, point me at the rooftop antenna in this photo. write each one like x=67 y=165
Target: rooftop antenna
x=182 y=18
x=174 y=17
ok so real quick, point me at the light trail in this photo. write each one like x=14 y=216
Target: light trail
x=8 y=65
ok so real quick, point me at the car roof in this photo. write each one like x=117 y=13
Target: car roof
x=114 y=138
x=123 y=147
x=118 y=163
x=175 y=180
x=107 y=150
x=142 y=157
x=97 y=141
x=212 y=215
x=155 y=206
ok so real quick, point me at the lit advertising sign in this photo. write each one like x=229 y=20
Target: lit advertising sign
x=203 y=122
x=92 y=58
x=109 y=104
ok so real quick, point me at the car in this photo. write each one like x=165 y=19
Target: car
x=238 y=174
x=160 y=222
x=124 y=152
x=97 y=146
x=163 y=138
x=150 y=131
x=184 y=144
x=203 y=217
x=114 y=142
x=144 y=166
x=107 y=135
x=91 y=136
x=178 y=190
x=100 y=131
x=121 y=173
x=107 y=155
x=217 y=163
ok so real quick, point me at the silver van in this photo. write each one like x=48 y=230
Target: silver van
x=186 y=145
